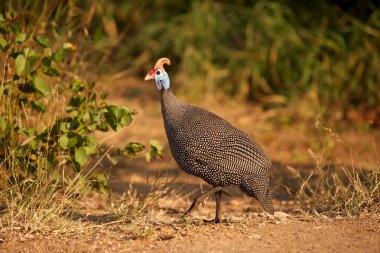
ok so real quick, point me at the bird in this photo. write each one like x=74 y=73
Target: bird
x=207 y=146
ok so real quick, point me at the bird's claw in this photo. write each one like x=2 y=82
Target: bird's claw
x=216 y=220
x=182 y=218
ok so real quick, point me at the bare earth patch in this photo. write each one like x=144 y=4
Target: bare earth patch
x=251 y=233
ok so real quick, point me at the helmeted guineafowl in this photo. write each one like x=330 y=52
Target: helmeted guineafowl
x=207 y=146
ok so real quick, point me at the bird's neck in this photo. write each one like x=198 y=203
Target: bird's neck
x=171 y=107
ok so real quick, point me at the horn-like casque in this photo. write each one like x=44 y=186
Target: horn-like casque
x=160 y=63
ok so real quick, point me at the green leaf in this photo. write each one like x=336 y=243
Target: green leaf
x=3 y=44
x=117 y=117
x=42 y=41
x=73 y=140
x=77 y=85
x=49 y=71
x=68 y=47
x=3 y=124
x=64 y=141
x=33 y=144
x=38 y=106
x=63 y=127
x=111 y=159
x=148 y=157
x=153 y=143
x=100 y=183
x=26 y=87
x=91 y=85
x=20 y=37
x=90 y=145
x=48 y=52
x=27 y=51
x=103 y=95
x=76 y=102
x=31 y=58
x=58 y=57
x=76 y=166
x=29 y=65
x=46 y=62
x=30 y=53
x=55 y=175
x=14 y=52
x=44 y=162
x=81 y=156
x=103 y=126
x=155 y=150
x=105 y=189
x=132 y=148
x=20 y=64
x=42 y=86
x=91 y=149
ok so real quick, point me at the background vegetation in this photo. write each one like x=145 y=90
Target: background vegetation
x=275 y=53
x=325 y=50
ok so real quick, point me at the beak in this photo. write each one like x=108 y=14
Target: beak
x=148 y=77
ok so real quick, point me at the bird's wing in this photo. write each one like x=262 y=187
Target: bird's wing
x=224 y=147
x=237 y=155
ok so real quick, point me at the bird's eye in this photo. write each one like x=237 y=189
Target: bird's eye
x=158 y=72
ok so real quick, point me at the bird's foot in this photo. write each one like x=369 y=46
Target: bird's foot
x=201 y=198
x=216 y=220
x=182 y=219
x=194 y=205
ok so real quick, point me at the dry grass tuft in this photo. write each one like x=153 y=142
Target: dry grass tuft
x=130 y=206
x=339 y=190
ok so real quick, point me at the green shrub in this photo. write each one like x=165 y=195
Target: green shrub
x=47 y=119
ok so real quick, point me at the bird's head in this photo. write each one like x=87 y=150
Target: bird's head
x=159 y=74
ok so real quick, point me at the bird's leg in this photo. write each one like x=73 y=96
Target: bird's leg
x=218 y=197
x=198 y=200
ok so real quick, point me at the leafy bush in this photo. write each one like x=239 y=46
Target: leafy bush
x=47 y=119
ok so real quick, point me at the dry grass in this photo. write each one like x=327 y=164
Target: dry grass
x=48 y=207
x=337 y=188
x=130 y=206
x=40 y=202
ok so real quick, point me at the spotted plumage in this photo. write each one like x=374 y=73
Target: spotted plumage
x=207 y=146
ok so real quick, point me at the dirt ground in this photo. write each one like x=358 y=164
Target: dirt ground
x=250 y=233
x=244 y=228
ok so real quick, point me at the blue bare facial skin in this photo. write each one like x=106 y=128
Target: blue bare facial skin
x=162 y=79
